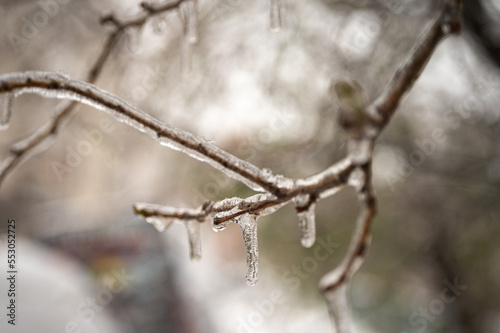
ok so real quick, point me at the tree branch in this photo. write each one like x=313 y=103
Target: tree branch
x=58 y=86
x=334 y=285
x=448 y=22
x=43 y=138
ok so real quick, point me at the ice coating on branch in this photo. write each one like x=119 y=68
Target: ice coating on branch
x=176 y=146
x=307 y=220
x=339 y=308
x=5 y=109
x=166 y=134
x=357 y=179
x=360 y=150
x=193 y=231
x=248 y=224
x=228 y=203
x=330 y=192
x=332 y=172
x=275 y=15
x=160 y=224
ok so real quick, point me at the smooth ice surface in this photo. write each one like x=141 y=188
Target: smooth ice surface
x=166 y=210
x=357 y=179
x=360 y=151
x=339 y=308
x=228 y=203
x=167 y=135
x=307 y=221
x=6 y=100
x=248 y=224
x=193 y=231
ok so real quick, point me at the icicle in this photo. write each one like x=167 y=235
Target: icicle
x=6 y=110
x=248 y=224
x=339 y=308
x=193 y=230
x=189 y=12
x=134 y=40
x=275 y=15
x=221 y=226
x=159 y=223
x=307 y=220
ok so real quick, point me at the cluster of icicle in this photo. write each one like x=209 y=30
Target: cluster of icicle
x=189 y=15
x=247 y=222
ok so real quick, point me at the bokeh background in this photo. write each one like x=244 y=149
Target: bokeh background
x=87 y=264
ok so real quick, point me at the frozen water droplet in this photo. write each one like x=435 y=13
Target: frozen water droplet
x=193 y=230
x=275 y=15
x=219 y=226
x=6 y=101
x=248 y=224
x=160 y=224
x=307 y=220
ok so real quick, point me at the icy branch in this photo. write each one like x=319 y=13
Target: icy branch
x=448 y=22
x=53 y=85
x=43 y=138
x=363 y=124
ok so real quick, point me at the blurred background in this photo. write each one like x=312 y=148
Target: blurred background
x=87 y=264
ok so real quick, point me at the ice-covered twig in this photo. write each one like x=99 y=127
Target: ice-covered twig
x=54 y=85
x=448 y=22
x=334 y=285
x=318 y=186
x=44 y=136
x=363 y=125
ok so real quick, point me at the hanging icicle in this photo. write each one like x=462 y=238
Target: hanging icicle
x=5 y=109
x=248 y=224
x=275 y=15
x=192 y=227
x=193 y=231
x=307 y=220
x=134 y=40
x=189 y=15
